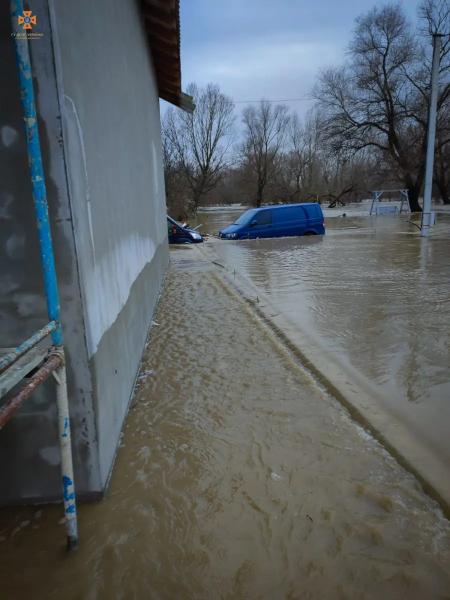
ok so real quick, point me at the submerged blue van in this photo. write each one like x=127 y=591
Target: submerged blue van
x=277 y=221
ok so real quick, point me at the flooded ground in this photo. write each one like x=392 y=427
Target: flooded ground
x=375 y=298
x=238 y=478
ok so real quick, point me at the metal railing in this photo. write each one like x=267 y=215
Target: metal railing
x=52 y=362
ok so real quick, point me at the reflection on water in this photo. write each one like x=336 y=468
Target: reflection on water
x=237 y=478
x=377 y=295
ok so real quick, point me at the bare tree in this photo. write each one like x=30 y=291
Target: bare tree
x=199 y=142
x=264 y=131
x=300 y=168
x=435 y=18
x=177 y=198
x=435 y=15
x=293 y=164
x=379 y=100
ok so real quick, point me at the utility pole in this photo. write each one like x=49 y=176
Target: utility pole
x=427 y=215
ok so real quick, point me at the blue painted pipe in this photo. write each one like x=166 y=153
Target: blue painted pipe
x=48 y=264
x=36 y=169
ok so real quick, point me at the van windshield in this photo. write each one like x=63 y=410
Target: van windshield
x=245 y=218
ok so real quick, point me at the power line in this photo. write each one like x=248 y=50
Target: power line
x=305 y=99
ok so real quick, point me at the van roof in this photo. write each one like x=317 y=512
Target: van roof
x=286 y=205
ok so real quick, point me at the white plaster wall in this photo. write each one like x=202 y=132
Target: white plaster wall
x=112 y=143
x=112 y=136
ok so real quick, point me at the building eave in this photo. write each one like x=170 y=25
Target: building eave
x=162 y=26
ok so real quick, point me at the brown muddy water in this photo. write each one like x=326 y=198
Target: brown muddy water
x=238 y=477
x=376 y=296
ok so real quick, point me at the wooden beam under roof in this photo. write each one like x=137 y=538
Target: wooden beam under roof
x=161 y=19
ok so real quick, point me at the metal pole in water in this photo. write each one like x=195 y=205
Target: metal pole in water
x=46 y=249
x=70 y=508
x=427 y=215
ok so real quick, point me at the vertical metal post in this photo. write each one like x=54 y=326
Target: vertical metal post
x=36 y=169
x=404 y=198
x=375 y=200
x=46 y=250
x=431 y=137
x=70 y=509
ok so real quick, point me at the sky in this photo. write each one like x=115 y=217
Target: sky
x=271 y=49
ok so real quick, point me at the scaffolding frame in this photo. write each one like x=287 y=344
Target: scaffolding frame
x=377 y=194
x=29 y=358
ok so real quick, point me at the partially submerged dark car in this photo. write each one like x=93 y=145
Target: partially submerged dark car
x=182 y=234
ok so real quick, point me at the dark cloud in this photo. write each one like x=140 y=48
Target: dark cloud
x=261 y=48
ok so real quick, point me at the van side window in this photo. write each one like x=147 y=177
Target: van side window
x=264 y=217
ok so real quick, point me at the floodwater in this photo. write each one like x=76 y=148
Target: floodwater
x=376 y=297
x=238 y=477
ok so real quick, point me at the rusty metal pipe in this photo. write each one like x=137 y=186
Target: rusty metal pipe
x=13 y=356
x=13 y=404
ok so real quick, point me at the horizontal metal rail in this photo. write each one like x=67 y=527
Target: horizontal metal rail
x=13 y=404
x=10 y=358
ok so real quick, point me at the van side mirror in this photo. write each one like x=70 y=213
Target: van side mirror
x=253 y=223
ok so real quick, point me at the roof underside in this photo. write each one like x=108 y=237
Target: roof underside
x=162 y=24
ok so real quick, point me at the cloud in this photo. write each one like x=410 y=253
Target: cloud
x=279 y=70
x=261 y=48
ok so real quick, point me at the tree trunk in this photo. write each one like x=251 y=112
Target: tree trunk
x=413 y=193
x=259 y=195
x=443 y=190
x=441 y=179
x=196 y=197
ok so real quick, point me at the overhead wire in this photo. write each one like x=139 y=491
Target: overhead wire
x=304 y=99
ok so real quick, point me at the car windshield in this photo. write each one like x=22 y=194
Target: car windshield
x=172 y=221
x=245 y=217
